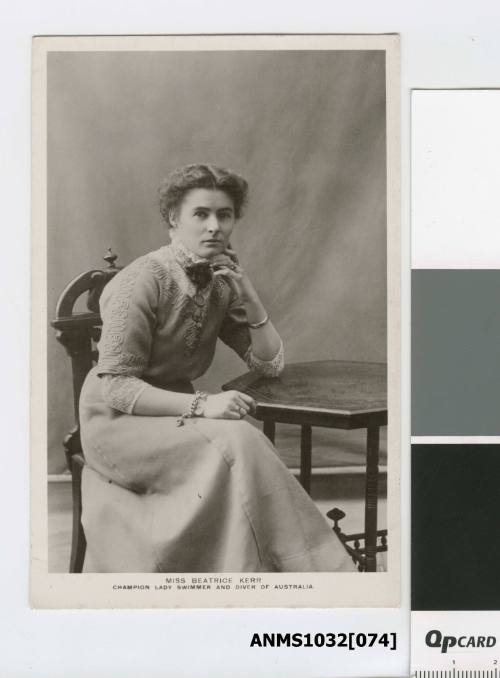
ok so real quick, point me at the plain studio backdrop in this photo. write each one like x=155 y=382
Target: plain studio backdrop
x=306 y=129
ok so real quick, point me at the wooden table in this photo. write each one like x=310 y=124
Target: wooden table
x=334 y=394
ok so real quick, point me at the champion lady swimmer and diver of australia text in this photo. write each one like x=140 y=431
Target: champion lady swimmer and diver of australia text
x=349 y=641
x=208 y=583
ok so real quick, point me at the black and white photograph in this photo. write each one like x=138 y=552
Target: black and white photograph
x=216 y=396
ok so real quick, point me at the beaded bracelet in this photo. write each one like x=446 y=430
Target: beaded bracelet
x=198 y=397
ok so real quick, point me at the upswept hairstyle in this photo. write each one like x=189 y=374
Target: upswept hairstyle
x=173 y=189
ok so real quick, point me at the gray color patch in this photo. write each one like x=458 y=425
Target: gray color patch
x=455 y=357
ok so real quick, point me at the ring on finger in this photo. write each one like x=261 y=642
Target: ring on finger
x=242 y=411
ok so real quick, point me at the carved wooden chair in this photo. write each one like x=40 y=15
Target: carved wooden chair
x=357 y=550
x=78 y=332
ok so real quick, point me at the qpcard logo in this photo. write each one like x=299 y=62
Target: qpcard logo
x=436 y=639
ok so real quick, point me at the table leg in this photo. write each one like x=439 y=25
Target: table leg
x=371 y=497
x=305 y=457
x=269 y=429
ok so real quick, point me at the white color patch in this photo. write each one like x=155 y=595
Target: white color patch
x=455 y=169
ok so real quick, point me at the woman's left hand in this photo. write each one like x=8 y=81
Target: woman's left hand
x=227 y=265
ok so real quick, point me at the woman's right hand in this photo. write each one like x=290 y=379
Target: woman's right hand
x=228 y=405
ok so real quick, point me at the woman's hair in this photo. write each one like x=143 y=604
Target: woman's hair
x=173 y=189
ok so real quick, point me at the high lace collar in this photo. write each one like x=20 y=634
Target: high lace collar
x=183 y=255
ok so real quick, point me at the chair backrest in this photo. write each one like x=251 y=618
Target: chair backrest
x=78 y=332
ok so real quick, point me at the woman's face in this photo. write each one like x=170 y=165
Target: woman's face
x=204 y=221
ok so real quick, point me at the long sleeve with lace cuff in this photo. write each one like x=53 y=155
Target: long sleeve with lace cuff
x=235 y=333
x=268 y=368
x=122 y=391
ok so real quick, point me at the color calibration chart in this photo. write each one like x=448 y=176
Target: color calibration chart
x=455 y=367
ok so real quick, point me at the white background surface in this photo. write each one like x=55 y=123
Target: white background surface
x=456 y=179
x=444 y=44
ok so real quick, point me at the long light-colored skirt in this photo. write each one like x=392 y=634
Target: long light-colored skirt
x=210 y=496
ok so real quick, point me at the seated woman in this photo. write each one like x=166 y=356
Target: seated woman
x=177 y=481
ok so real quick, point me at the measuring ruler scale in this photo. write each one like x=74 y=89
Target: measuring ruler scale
x=458 y=673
